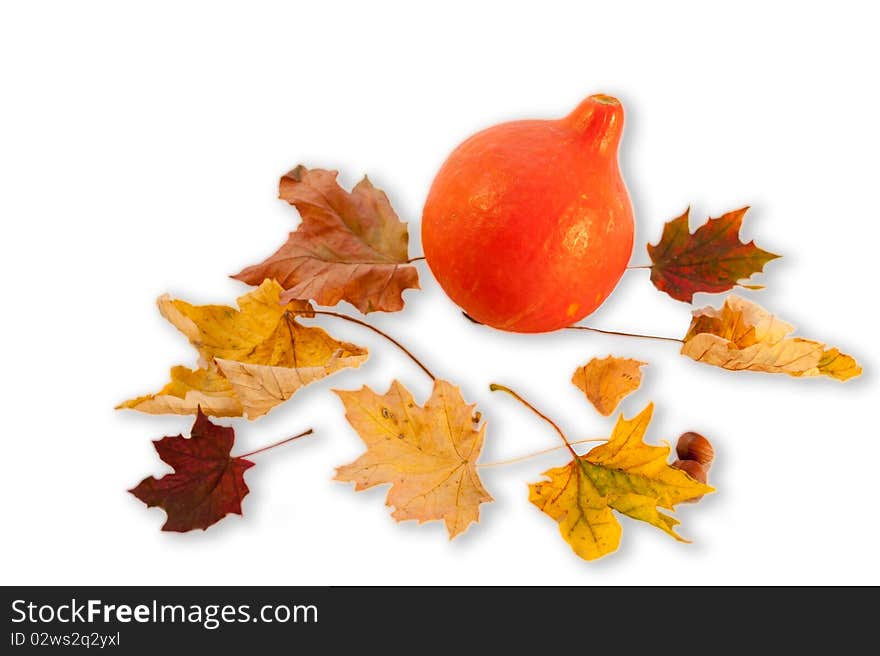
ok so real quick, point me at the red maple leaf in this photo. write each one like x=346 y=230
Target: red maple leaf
x=711 y=259
x=207 y=483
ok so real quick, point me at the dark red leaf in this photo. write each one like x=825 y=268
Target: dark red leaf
x=207 y=483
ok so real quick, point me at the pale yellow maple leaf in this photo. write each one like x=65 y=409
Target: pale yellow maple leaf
x=428 y=454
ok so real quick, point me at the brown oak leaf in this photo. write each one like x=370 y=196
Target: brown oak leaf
x=349 y=247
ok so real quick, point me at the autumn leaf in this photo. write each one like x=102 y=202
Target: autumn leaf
x=428 y=454
x=207 y=483
x=349 y=247
x=607 y=381
x=189 y=390
x=251 y=359
x=837 y=365
x=712 y=259
x=625 y=475
x=743 y=336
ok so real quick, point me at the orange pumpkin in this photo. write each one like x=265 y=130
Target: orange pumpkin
x=528 y=225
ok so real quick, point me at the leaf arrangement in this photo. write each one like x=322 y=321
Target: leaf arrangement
x=351 y=246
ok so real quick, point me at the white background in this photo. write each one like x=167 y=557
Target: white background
x=140 y=147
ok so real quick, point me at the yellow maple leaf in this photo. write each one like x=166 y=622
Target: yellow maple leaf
x=251 y=358
x=625 y=475
x=742 y=335
x=428 y=454
x=605 y=382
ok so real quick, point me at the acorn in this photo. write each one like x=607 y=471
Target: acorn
x=693 y=446
x=695 y=470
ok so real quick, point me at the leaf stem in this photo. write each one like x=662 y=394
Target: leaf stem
x=274 y=444
x=415 y=259
x=535 y=454
x=503 y=388
x=339 y=315
x=615 y=332
x=596 y=330
x=640 y=266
